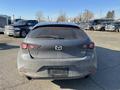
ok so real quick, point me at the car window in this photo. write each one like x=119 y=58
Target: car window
x=55 y=33
x=32 y=22
x=102 y=21
x=117 y=23
x=20 y=22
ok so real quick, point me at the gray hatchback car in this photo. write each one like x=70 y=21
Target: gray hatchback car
x=57 y=51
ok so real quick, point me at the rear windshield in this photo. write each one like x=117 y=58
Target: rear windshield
x=56 y=33
x=20 y=22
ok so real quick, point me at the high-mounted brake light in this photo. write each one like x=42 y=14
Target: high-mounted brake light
x=91 y=45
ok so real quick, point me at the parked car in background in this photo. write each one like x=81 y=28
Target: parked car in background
x=57 y=51
x=99 y=24
x=4 y=20
x=16 y=20
x=85 y=25
x=115 y=26
x=20 y=28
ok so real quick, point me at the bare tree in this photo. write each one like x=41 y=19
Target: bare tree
x=77 y=19
x=49 y=19
x=62 y=17
x=39 y=16
x=87 y=15
x=110 y=14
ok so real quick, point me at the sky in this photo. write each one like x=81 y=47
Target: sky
x=27 y=8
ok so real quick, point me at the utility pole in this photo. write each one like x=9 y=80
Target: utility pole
x=100 y=13
x=48 y=18
x=13 y=17
x=20 y=17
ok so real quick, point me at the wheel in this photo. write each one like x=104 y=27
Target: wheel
x=116 y=30
x=87 y=76
x=10 y=35
x=29 y=78
x=91 y=28
x=24 y=76
x=23 y=34
x=102 y=29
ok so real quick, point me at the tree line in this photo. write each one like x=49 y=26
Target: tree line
x=62 y=17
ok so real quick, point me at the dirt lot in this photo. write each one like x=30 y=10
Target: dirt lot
x=106 y=78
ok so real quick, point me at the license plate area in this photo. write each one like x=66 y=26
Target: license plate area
x=58 y=72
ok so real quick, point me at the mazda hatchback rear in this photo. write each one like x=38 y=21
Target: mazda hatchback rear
x=57 y=51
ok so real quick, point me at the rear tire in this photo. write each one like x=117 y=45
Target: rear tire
x=24 y=76
x=91 y=29
x=102 y=29
x=87 y=76
x=29 y=78
x=10 y=35
x=117 y=30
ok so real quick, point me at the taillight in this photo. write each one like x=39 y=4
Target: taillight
x=91 y=45
x=28 y=46
x=24 y=45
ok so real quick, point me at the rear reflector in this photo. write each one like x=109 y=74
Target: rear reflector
x=28 y=46
x=89 y=46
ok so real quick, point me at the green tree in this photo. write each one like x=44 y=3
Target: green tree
x=110 y=14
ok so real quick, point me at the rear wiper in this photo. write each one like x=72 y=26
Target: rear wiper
x=49 y=36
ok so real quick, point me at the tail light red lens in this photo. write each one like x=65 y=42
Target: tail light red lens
x=28 y=46
x=24 y=45
x=91 y=45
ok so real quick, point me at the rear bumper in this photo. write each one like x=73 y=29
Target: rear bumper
x=9 y=32
x=12 y=32
x=2 y=30
x=36 y=68
x=109 y=29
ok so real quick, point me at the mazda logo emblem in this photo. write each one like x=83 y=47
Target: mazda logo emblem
x=58 y=48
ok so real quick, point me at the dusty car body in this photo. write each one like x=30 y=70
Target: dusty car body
x=57 y=51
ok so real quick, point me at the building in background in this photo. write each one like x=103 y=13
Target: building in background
x=4 y=20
